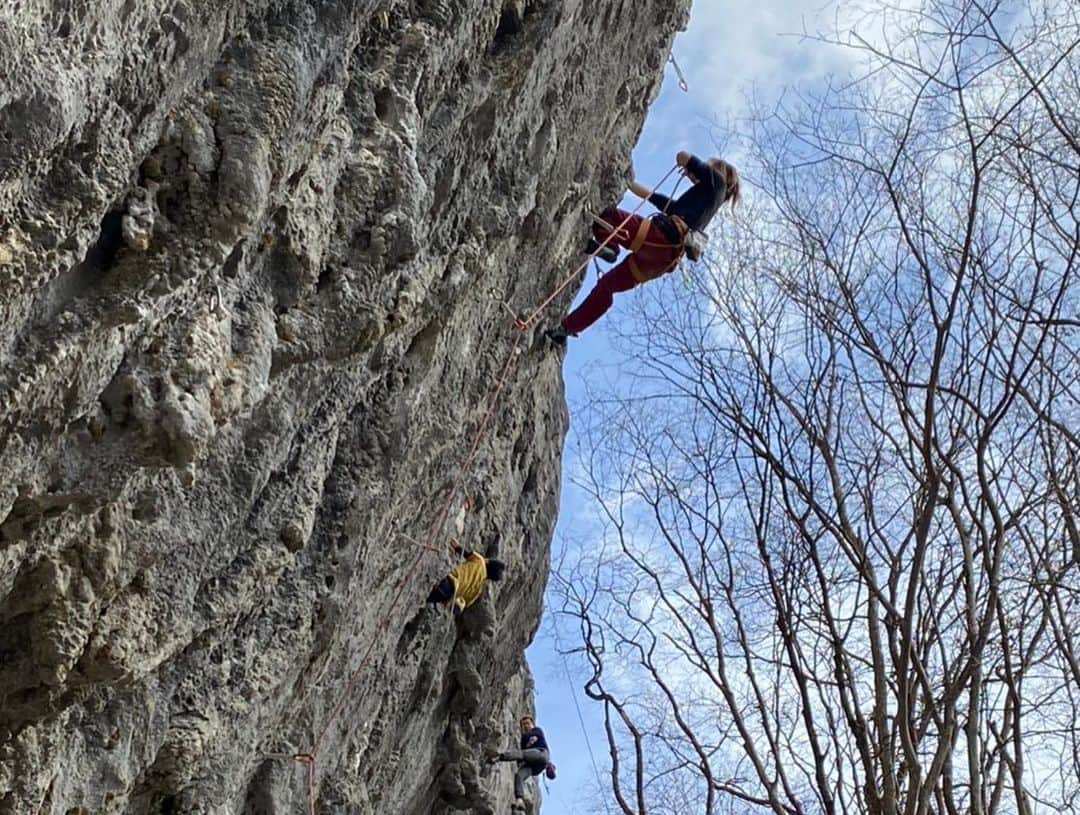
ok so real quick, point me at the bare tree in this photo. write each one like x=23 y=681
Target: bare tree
x=838 y=563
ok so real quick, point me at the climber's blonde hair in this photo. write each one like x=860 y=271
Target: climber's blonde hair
x=731 y=180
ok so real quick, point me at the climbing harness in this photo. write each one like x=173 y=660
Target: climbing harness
x=691 y=240
x=641 y=239
x=682 y=79
x=642 y=233
x=688 y=242
x=427 y=545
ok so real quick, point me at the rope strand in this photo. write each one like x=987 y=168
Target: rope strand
x=309 y=759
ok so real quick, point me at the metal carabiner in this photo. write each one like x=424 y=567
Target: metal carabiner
x=682 y=79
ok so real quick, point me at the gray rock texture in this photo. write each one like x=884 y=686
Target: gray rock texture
x=254 y=256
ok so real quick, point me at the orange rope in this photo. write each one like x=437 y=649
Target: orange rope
x=398 y=594
x=492 y=399
x=309 y=758
x=427 y=545
x=445 y=552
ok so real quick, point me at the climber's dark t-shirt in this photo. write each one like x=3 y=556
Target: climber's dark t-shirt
x=533 y=740
x=698 y=204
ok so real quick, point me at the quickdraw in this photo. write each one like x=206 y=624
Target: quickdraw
x=682 y=79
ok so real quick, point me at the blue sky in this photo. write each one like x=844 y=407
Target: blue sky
x=725 y=54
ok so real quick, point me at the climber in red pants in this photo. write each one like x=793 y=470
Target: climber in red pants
x=655 y=243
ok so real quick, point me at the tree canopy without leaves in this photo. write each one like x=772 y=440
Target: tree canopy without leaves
x=838 y=564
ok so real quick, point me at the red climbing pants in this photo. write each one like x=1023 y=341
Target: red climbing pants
x=656 y=257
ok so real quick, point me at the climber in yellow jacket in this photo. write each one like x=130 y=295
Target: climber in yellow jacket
x=462 y=587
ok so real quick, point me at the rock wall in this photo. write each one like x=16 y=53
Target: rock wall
x=254 y=256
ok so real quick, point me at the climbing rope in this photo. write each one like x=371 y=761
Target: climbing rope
x=445 y=552
x=584 y=732
x=309 y=758
x=674 y=192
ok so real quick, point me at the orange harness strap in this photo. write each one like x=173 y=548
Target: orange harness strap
x=640 y=241
x=642 y=234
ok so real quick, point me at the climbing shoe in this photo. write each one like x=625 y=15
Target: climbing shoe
x=549 y=771
x=608 y=253
x=557 y=335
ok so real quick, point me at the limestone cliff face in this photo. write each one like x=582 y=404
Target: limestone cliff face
x=254 y=256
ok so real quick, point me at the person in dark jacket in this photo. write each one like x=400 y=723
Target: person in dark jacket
x=655 y=243
x=533 y=758
x=462 y=587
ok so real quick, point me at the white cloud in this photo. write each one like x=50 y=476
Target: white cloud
x=726 y=55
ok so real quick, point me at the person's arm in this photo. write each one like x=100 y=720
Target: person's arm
x=661 y=202
x=458 y=550
x=704 y=174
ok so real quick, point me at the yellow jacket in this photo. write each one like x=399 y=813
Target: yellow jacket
x=468 y=579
